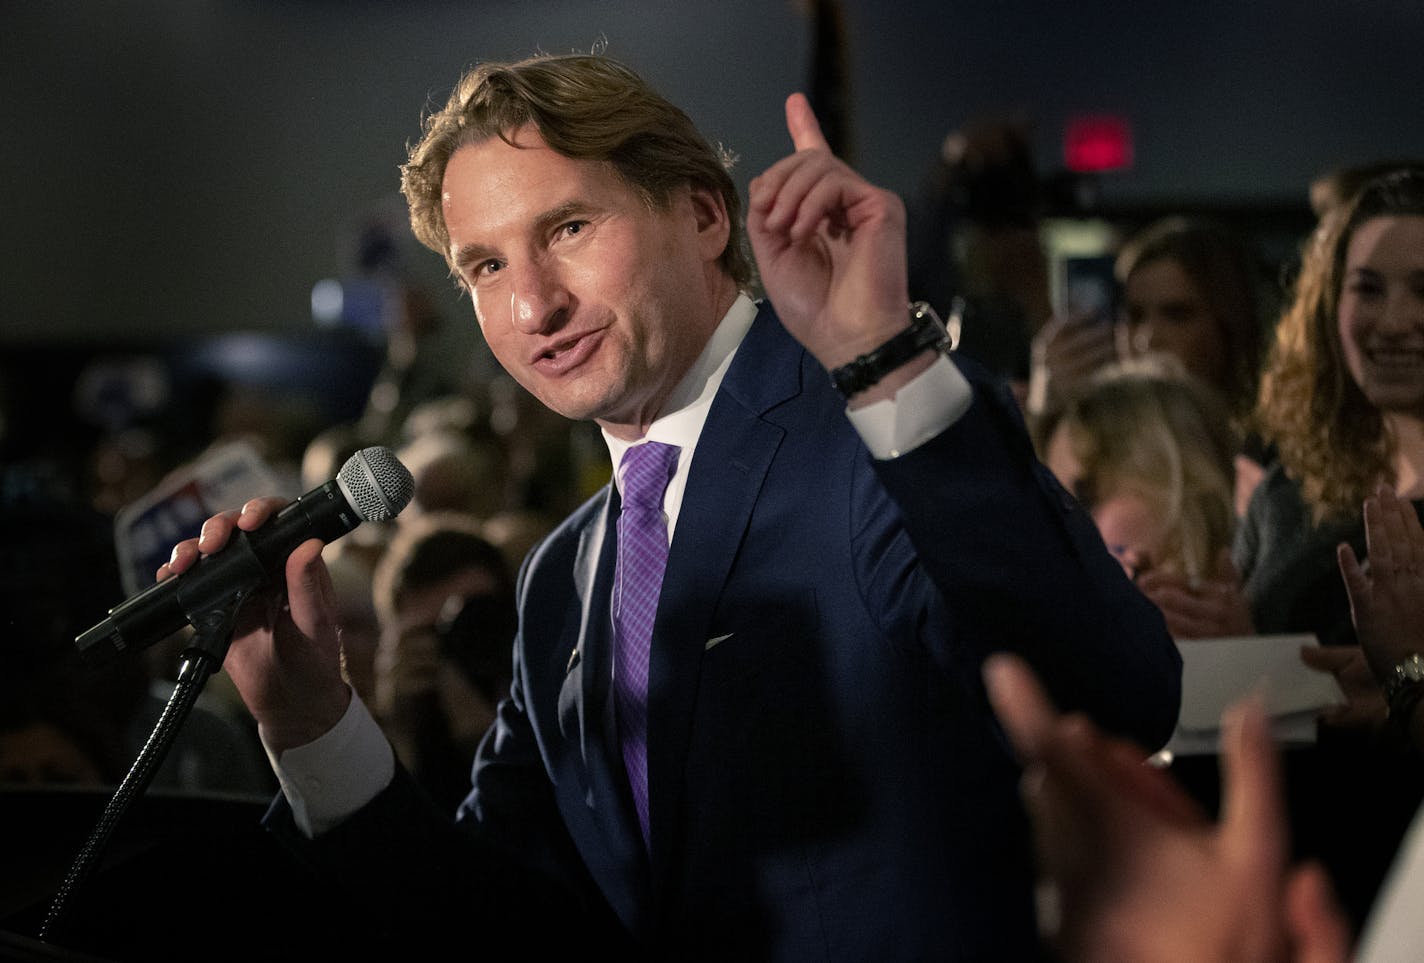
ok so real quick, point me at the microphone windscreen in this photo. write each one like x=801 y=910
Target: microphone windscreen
x=376 y=484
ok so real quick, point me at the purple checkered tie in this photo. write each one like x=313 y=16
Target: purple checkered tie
x=642 y=556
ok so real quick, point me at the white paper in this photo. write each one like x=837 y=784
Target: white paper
x=1216 y=673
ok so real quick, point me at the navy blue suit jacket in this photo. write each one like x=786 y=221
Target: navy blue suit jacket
x=826 y=780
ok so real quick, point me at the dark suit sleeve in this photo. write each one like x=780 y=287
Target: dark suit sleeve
x=1020 y=566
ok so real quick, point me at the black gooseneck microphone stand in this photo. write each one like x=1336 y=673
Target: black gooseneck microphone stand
x=201 y=659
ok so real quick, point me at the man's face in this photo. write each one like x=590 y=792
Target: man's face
x=591 y=299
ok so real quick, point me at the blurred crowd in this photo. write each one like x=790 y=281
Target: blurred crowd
x=1224 y=422
x=426 y=600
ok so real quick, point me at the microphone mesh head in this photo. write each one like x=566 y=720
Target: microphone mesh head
x=376 y=483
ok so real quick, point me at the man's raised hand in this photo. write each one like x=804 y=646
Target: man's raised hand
x=830 y=247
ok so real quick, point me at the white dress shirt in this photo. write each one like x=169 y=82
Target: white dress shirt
x=339 y=772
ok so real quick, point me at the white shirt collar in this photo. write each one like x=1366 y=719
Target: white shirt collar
x=686 y=410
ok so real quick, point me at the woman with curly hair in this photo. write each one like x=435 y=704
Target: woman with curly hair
x=1342 y=399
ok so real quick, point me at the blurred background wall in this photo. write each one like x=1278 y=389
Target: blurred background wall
x=178 y=177
x=182 y=166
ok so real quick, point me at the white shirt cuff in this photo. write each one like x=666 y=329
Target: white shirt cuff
x=337 y=773
x=935 y=399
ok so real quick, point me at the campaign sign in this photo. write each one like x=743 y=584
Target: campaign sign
x=222 y=478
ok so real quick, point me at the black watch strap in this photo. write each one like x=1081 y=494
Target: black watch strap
x=926 y=330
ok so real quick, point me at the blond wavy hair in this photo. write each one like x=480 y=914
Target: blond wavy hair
x=1330 y=438
x=586 y=107
x=1149 y=428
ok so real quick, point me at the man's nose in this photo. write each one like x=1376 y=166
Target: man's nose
x=539 y=299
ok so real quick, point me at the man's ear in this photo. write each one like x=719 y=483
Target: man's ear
x=713 y=227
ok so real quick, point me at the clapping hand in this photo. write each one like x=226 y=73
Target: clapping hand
x=1209 y=608
x=1387 y=597
x=1386 y=605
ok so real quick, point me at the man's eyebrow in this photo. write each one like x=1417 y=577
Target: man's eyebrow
x=470 y=254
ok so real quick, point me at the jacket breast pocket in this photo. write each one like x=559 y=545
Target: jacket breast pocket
x=771 y=741
x=762 y=665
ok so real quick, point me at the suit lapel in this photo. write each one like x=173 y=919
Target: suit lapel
x=586 y=716
x=734 y=453
x=583 y=697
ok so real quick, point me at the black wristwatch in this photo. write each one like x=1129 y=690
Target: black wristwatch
x=926 y=330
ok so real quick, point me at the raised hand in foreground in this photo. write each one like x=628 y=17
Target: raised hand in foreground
x=1134 y=870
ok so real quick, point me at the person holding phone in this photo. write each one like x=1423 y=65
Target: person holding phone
x=1187 y=288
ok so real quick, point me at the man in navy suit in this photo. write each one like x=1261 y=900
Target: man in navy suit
x=805 y=766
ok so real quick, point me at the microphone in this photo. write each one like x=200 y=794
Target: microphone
x=373 y=486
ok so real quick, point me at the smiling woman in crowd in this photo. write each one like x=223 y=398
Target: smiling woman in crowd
x=1342 y=399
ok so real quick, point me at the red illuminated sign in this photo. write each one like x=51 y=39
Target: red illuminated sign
x=1097 y=143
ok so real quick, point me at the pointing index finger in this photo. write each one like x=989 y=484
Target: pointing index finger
x=802 y=125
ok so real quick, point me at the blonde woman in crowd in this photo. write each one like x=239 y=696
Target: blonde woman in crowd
x=1148 y=449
